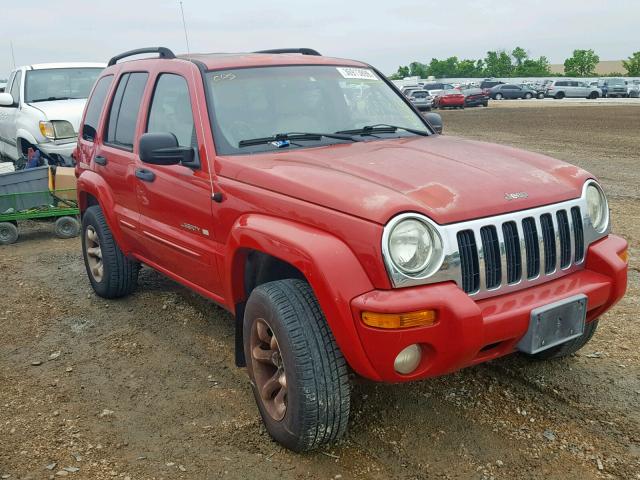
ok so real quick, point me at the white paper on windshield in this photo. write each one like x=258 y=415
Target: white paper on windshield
x=357 y=73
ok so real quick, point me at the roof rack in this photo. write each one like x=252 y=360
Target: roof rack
x=301 y=51
x=163 y=52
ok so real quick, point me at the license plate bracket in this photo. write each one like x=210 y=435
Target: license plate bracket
x=554 y=324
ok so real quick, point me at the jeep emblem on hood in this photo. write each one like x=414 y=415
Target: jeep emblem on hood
x=515 y=195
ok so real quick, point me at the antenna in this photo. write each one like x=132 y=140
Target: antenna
x=198 y=109
x=13 y=55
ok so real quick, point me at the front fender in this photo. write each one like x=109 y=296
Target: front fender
x=328 y=264
x=90 y=184
x=26 y=135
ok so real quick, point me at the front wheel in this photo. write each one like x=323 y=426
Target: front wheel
x=527 y=96
x=111 y=273
x=570 y=347
x=593 y=95
x=298 y=374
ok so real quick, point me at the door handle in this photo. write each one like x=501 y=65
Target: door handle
x=145 y=175
x=100 y=160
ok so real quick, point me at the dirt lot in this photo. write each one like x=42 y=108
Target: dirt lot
x=146 y=387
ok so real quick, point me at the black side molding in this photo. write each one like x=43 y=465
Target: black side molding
x=301 y=51
x=163 y=52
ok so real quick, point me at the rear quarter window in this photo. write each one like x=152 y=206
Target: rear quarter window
x=125 y=107
x=94 y=107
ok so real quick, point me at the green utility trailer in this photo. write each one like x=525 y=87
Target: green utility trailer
x=51 y=205
x=25 y=195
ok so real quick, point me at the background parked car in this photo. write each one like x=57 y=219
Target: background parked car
x=633 y=88
x=559 y=89
x=421 y=99
x=616 y=87
x=510 y=91
x=41 y=109
x=474 y=97
x=436 y=88
x=449 y=99
x=539 y=92
x=488 y=84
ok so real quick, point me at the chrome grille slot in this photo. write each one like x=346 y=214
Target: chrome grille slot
x=549 y=242
x=512 y=251
x=565 y=238
x=532 y=246
x=491 y=252
x=578 y=234
x=469 y=261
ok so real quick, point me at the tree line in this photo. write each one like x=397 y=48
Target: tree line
x=517 y=63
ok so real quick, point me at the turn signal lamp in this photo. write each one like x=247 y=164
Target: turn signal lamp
x=423 y=318
x=624 y=255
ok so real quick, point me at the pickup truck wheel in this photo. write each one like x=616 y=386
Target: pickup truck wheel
x=568 y=348
x=112 y=275
x=8 y=233
x=298 y=375
x=67 y=227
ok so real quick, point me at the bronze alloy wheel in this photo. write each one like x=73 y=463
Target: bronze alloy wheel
x=268 y=369
x=94 y=253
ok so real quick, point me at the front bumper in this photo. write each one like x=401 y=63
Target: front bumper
x=469 y=332
x=63 y=150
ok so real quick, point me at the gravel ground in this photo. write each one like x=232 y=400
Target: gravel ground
x=145 y=387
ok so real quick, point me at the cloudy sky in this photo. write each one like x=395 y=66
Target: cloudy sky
x=385 y=34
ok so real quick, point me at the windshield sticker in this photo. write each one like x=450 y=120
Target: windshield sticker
x=357 y=73
x=224 y=76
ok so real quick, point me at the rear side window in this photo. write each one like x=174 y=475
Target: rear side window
x=15 y=88
x=94 y=107
x=561 y=84
x=123 y=115
x=171 y=110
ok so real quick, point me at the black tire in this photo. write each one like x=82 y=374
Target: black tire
x=569 y=348
x=317 y=384
x=485 y=104
x=8 y=233
x=498 y=96
x=120 y=274
x=67 y=227
x=593 y=95
x=528 y=96
x=540 y=96
x=559 y=96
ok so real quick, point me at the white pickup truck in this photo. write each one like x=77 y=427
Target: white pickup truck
x=41 y=108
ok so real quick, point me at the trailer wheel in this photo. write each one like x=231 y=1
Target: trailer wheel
x=8 y=233
x=67 y=227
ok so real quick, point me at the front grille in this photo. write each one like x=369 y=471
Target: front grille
x=495 y=255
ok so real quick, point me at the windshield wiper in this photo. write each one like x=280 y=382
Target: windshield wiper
x=381 y=128
x=50 y=99
x=282 y=140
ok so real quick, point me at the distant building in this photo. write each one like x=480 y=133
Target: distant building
x=606 y=66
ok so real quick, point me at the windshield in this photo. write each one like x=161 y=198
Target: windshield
x=253 y=103
x=59 y=83
x=615 y=81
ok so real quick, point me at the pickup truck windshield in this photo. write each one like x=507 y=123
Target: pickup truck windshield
x=257 y=103
x=59 y=83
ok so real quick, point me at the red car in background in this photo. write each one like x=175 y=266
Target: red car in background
x=450 y=99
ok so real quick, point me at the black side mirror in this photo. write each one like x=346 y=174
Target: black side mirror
x=435 y=120
x=163 y=149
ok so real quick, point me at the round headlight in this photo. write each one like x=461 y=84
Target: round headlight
x=414 y=246
x=597 y=208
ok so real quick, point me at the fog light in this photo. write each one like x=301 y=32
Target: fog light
x=408 y=359
x=624 y=255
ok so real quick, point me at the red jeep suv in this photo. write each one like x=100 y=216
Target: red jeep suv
x=308 y=197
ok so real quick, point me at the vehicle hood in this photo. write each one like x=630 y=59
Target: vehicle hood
x=448 y=179
x=69 y=110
